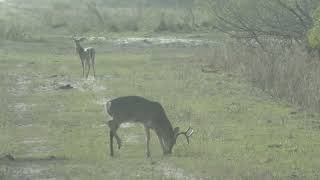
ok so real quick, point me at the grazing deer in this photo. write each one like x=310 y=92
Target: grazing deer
x=151 y=114
x=87 y=56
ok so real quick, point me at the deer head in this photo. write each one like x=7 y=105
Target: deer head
x=78 y=39
x=170 y=139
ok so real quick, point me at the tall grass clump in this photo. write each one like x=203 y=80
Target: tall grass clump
x=15 y=32
x=287 y=73
x=168 y=22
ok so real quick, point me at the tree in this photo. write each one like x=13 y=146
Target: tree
x=261 y=20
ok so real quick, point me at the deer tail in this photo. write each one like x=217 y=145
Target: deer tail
x=107 y=108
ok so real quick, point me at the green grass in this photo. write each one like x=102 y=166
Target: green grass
x=240 y=132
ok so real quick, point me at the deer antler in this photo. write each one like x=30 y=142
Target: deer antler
x=77 y=38
x=187 y=134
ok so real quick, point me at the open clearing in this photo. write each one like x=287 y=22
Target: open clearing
x=53 y=133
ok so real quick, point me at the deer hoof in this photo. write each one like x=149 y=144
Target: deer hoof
x=148 y=155
x=119 y=145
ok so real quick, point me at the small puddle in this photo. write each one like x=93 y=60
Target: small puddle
x=33 y=141
x=41 y=149
x=19 y=65
x=28 y=124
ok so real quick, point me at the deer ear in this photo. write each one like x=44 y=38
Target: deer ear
x=176 y=131
x=82 y=39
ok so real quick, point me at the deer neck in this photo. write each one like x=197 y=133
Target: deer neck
x=79 y=48
x=166 y=133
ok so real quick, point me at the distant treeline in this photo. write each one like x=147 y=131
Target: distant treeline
x=113 y=3
x=157 y=3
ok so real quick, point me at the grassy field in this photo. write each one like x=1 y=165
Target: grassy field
x=240 y=132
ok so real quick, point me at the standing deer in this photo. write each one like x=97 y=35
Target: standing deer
x=87 y=56
x=151 y=114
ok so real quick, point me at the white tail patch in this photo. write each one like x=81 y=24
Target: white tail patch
x=107 y=106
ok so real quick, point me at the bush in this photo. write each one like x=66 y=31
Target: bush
x=114 y=28
x=172 y=25
x=314 y=33
x=13 y=32
x=289 y=74
x=162 y=26
x=131 y=25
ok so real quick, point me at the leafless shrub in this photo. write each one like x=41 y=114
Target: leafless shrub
x=13 y=31
x=253 y=20
x=288 y=73
x=169 y=23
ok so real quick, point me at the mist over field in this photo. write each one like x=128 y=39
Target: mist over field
x=94 y=89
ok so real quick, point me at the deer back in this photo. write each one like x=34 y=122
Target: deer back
x=139 y=109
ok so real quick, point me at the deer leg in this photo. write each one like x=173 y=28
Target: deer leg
x=111 y=143
x=113 y=128
x=88 y=63
x=93 y=64
x=82 y=63
x=161 y=143
x=118 y=140
x=147 y=141
x=114 y=131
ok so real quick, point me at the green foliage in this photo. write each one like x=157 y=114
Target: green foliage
x=314 y=32
x=170 y=23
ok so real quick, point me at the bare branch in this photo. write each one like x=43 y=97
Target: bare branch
x=290 y=9
x=304 y=13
